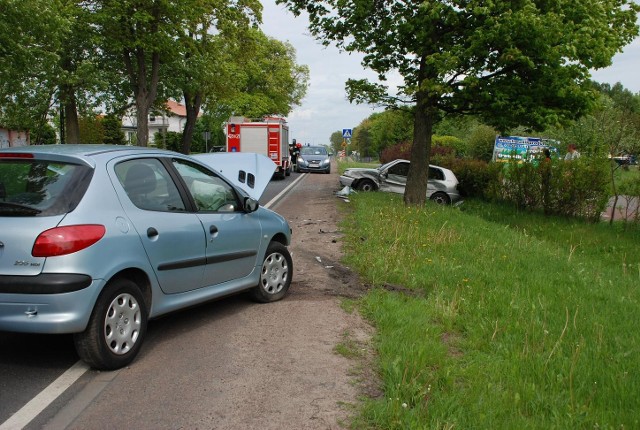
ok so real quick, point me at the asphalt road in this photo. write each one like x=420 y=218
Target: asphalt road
x=29 y=363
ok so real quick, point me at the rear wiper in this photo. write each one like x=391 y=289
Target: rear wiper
x=13 y=209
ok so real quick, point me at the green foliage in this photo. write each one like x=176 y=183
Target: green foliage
x=481 y=142
x=170 y=140
x=531 y=66
x=44 y=134
x=573 y=189
x=498 y=318
x=336 y=140
x=31 y=35
x=91 y=129
x=112 y=126
x=268 y=79
x=475 y=177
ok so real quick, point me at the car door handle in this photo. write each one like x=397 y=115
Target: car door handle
x=152 y=233
x=213 y=231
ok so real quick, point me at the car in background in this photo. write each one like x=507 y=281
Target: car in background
x=442 y=186
x=626 y=160
x=313 y=159
x=96 y=240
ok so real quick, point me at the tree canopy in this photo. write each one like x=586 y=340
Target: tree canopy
x=66 y=59
x=509 y=63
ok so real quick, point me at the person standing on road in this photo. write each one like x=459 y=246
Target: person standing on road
x=572 y=153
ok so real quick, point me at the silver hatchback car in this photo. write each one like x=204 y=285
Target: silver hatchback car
x=95 y=240
x=442 y=187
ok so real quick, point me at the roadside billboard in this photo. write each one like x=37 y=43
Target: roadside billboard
x=521 y=148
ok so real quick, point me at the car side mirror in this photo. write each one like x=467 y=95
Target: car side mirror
x=250 y=205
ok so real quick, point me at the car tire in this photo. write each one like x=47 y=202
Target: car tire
x=116 y=329
x=366 y=185
x=275 y=274
x=440 y=198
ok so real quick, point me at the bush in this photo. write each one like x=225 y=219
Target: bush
x=170 y=140
x=573 y=189
x=475 y=176
x=441 y=147
x=400 y=150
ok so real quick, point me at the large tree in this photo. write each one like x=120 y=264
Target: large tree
x=138 y=42
x=208 y=46
x=31 y=35
x=509 y=62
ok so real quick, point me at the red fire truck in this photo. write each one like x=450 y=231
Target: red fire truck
x=269 y=136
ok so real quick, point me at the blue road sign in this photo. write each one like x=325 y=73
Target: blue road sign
x=346 y=133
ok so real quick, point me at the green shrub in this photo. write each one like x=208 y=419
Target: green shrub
x=574 y=189
x=170 y=140
x=474 y=176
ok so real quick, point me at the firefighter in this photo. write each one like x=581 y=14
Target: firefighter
x=294 y=151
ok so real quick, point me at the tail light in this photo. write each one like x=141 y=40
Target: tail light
x=67 y=240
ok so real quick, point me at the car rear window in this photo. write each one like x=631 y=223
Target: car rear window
x=31 y=187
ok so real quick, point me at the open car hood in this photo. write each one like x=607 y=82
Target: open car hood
x=251 y=172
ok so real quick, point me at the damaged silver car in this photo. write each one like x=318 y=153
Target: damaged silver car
x=442 y=187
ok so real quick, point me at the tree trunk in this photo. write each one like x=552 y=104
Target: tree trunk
x=71 y=125
x=192 y=102
x=415 y=192
x=145 y=88
x=142 y=120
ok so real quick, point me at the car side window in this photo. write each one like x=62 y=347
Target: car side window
x=149 y=185
x=399 y=169
x=209 y=191
x=436 y=174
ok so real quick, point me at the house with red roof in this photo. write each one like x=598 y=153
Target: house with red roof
x=172 y=119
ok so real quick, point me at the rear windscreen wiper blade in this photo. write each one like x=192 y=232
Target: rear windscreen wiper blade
x=9 y=209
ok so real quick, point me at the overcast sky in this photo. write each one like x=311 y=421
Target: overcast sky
x=325 y=109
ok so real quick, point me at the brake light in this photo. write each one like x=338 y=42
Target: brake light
x=15 y=155
x=67 y=240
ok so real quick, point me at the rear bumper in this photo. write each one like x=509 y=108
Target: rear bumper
x=53 y=312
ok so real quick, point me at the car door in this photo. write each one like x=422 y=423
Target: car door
x=436 y=181
x=394 y=179
x=232 y=236
x=173 y=237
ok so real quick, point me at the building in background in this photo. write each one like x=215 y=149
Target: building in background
x=173 y=119
x=12 y=138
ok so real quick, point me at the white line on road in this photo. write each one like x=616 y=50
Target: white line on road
x=31 y=410
x=277 y=198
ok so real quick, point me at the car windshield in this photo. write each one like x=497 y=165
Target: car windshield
x=313 y=150
x=34 y=187
x=386 y=165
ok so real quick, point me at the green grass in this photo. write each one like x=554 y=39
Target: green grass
x=510 y=320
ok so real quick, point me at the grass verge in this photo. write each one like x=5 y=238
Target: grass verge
x=514 y=320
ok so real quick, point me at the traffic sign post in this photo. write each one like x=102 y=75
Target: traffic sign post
x=346 y=133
